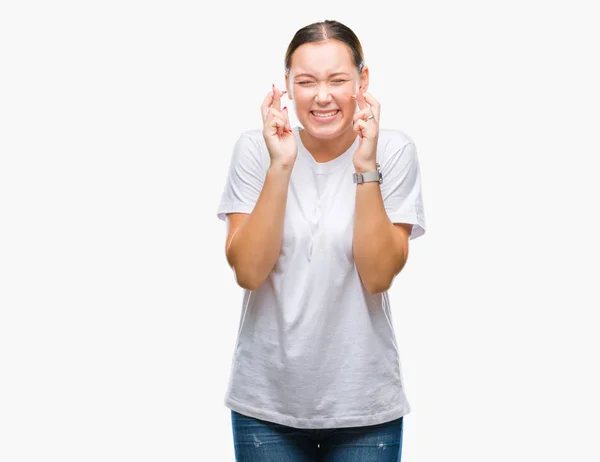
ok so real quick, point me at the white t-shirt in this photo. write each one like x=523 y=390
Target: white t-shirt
x=314 y=348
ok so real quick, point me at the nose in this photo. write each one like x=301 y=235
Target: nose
x=323 y=95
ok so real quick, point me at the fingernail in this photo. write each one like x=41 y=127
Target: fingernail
x=284 y=108
x=353 y=96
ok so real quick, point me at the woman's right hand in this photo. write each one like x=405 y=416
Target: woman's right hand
x=277 y=132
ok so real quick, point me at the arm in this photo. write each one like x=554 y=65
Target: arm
x=380 y=247
x=254 y=240
x=384 y=213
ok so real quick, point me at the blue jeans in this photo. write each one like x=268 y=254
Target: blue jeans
x=258 y=440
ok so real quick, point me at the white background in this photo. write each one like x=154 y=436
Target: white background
x=119 y=313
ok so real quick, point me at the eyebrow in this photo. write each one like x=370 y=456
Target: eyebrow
x=305 y=74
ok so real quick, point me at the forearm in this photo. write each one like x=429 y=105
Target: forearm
x=256 y=244
x=377 y=253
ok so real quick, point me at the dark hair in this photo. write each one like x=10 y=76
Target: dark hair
x=324 y=30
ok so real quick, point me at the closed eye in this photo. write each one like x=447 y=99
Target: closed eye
x=308 y=82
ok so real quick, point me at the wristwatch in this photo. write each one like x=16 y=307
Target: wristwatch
x=366 y=177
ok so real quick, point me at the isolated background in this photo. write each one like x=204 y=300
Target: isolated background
x=118 y=313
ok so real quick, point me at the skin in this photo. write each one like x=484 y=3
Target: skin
x=331 y=81
x=322 y=77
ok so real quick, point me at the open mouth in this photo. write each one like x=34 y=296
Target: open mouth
x=325 y=116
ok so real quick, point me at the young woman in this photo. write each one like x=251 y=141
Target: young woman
x=319 y=220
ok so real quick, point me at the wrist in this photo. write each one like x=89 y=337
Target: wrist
x=281 y=168
x=365 y=166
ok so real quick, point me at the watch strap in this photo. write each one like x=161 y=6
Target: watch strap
x=367 y=177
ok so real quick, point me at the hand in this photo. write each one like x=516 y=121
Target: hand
x=366 y=124
x=277 y=132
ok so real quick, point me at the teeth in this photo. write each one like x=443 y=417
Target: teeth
x=325 y=114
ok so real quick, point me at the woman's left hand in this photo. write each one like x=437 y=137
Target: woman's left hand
x=366 y=124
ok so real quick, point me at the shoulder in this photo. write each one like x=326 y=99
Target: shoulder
x=250 y=138
x=392 y=143
x=390 y=138
x=253 y=134
x=250 y=144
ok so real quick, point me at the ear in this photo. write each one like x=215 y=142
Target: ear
x=364 y=77
x=288 y=87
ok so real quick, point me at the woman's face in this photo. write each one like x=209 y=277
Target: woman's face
x=321 y=80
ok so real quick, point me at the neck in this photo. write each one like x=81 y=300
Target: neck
x=327 y=150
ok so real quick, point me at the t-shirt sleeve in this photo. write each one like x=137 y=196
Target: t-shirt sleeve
x=401 y=188
x=245 y=178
